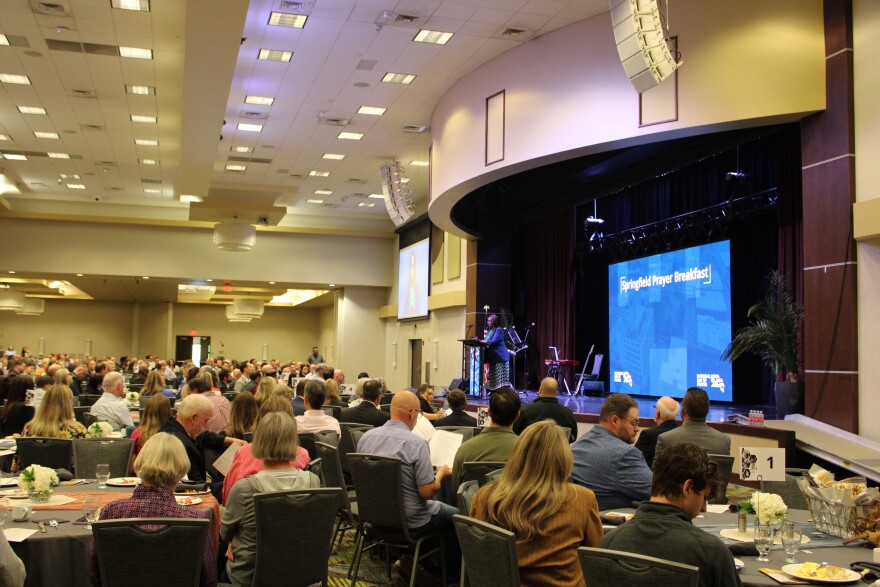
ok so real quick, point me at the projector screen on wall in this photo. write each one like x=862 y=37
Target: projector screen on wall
x=669 y=322
x=413 y=272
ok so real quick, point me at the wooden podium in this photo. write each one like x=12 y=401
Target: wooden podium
x=472 y=366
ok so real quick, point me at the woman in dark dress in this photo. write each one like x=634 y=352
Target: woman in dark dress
x=15 y=414
x=496 y=355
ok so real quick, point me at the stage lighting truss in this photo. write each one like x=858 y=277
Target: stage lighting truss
x=691 y=228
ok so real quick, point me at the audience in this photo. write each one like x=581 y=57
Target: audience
x=367 y=410
x=154 y=385
x=15 y=414
x=299 y=404
x=244 y=382
x=605 y=459
x=242 y=415
x=110 y=407
x=664 y=415
x=684 y=479
x=495 y=442
x=157 y=411
x=160 y=465
x=457 y=401
x=693 y=429
x=265 y=388
x=547 y=405
x=314 y=419
x=200 y=385
x=275 y=443
x=426 y=398
x=333 y=397
x=54 y=417
x=550 y=517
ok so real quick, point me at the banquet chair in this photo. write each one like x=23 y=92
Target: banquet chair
x=88 y=453
x=89 y=419
x=78 y=412
x=602 y=567
x=467 y=431
x=493 y=475
x=335 y=411
x=55 y=453
x=725 y=468
x=465 y=495
x=299 y=521
x=176 y=547
x=87 y=400
x=333 y=477
x=307 y=440
x=488 y=553
x=476 y=470
x=788 y=490
x=377 y=481
x=347 y=442
x=316 y=466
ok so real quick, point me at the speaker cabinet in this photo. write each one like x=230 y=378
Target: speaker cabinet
x=641 y=43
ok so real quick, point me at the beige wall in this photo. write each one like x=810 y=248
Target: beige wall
x=360 y=336
x=746 y=63
x=866 y=22
x=153 y=334
x=326 y=332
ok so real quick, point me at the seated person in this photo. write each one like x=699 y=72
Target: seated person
x=550 y=516
x=54 y=417
x=315 y=420
x=495 y=442
x=275 y=443
x=15 y=414
x=12 y=571
x=367 y=411
x=684 y=478
x=426 y=398
x=161 y=464
x=244 y=462
x=110 y=407
x=457 y=401
x=157 y=411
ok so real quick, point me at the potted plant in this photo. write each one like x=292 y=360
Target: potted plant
x=772 y=336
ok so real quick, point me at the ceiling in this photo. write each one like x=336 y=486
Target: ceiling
x=204 y=65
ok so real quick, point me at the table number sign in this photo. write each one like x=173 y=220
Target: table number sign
x=762 y=463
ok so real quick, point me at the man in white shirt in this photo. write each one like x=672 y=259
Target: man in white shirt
x=315 y=420
x=110 y=407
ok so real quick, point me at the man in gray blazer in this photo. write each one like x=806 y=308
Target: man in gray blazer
x=694 y=408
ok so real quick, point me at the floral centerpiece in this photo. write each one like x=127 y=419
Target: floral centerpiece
x=39 y=482
x=768 y=507
x=100 y=430
x=134 y=398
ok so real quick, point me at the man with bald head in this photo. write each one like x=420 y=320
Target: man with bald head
x=547 y=406
x=665 y=413
x=419 y=483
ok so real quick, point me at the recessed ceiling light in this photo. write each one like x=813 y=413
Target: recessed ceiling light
x=32 y=110
x=352 y=136
x=12 y=272
x=275 y=55
x=141 y=90
x=209 y=280
x=372 y=110
x=236 y=167
x=376 y=196
x=145 y=277
x=136 y=52
x=366 y=204
x=70 y=176
x=417 y=163
x=296 y=21
x=398 y=78
x=190 y=198
x=436 y=37
x=316 y=173
x=142 y=5
x=146 y=142
x=261 y=100
x=5 y=138
x=334 y=156
x=59 y=155
x=149 y=161
x=313 y=201
x=79 y=274
x=250 y=127
x=76 y=186
x=242 y=149
x=323 y=192
x=4 y=40
x=45 y=135
x=15 y=157
x=8 y=78
x=152 y=191
x=331 y=285
x=146 y=119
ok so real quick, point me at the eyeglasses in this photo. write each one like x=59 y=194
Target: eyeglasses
x=633 y=423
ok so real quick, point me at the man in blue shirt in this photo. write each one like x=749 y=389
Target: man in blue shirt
x=605 y=459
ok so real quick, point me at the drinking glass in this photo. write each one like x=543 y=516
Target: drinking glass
x=102 y=472
x=91 y=509
x=4 y=511
x=791 y=540
x=763 y=541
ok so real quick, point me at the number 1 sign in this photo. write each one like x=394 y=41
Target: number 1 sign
x=762 y=463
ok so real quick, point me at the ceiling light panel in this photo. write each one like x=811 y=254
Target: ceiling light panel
x=376 y=196
x=314 y=201
x=70 y=176
x=242 y=149
x=372 y=110
x=5 y=138
x=146 y=142
x=190 y=198
x=144 y=119
x=323 y=192
x=417 y=163
x=141 y=90
x=261 y=100
x=59 y=155
x=152 y=191
x=149 y=161
x=398 y=78
x=333 y=156
x=236 y=167
x=32 y=110
x=140 y=5
x=316 y=173
x=288 y=19
x=76 y=186
x=436 y=37
x=136 y=52
x=350 y=136
x=275 y=55
x=15 y=157
x=250 y=127
x=45 y=135
x=4 y=40
x=9 y=78
x=365 y=204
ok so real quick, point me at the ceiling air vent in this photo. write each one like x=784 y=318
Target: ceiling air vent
x=83 y=94
x=143 y=180
x=324 y=118
x=50 y=9
x=407 y=19
x=293 y=5
x=253 y=115
x=416 y=128
x=91 y=127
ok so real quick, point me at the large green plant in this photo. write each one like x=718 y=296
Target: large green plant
x=772 y=334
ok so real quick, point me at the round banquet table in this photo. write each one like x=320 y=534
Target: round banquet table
x=837 y=555
x=60 y=556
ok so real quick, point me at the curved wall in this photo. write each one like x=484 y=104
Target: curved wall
x=746 y=63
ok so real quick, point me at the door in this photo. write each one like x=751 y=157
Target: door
x=415 y=368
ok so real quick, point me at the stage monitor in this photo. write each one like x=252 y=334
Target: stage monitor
x=669 y=322
x=413 y=272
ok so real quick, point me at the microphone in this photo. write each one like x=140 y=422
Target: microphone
x=533 y=323
x=468 y=331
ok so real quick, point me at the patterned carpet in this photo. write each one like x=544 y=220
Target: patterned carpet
x=373 y=571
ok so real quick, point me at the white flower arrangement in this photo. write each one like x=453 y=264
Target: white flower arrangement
x=769 y=507
x=38 y=481
x=133 y=397
x=100 y=430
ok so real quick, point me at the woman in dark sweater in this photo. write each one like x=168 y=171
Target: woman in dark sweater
x=15 y=414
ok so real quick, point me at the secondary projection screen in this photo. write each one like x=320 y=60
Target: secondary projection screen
x=413 y=272
x=669 y=322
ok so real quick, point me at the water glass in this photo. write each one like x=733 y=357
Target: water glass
x=791 y=540
x=4 y=511
x=91 y=509
x=763 y=541
x=102 y=472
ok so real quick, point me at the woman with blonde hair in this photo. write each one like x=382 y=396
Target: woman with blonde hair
x=242 y=415
x=333 y=398
x=157 y=411
x=550 y=517
x=264 y=389
x=54 y=417
x=155 y=385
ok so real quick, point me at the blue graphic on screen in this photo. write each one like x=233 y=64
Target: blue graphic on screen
x=669 y=322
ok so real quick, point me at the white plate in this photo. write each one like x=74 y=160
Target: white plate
x=852 y=576
x=186 y=500
x=191 y=492
x=14 y=494
x=123 y=481
x=739 y=564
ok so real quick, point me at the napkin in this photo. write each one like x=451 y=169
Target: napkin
x=18 y=534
